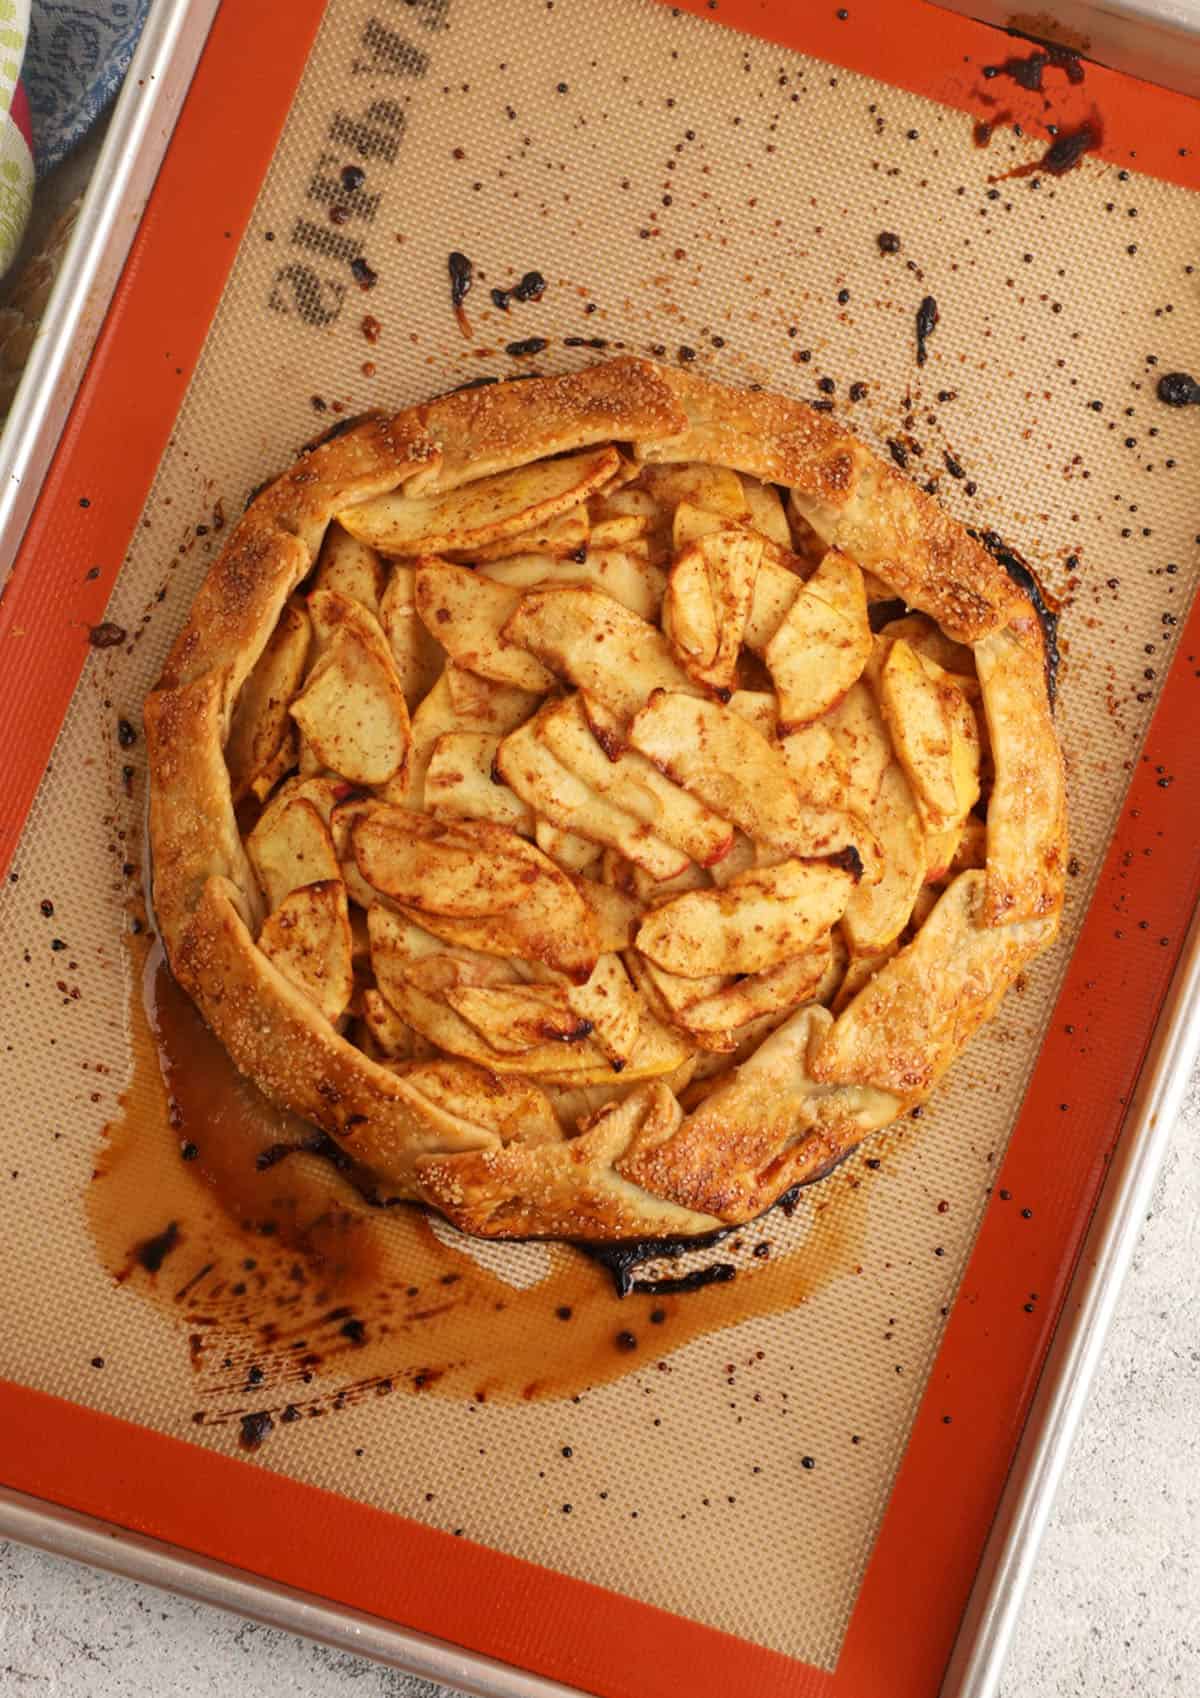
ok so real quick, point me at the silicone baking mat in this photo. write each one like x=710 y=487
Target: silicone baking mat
x=771 y=216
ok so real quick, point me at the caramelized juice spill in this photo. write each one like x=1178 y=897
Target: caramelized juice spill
x=297 y=1296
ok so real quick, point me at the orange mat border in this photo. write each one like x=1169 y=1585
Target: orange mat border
x=916 y=1583
x=919 y=46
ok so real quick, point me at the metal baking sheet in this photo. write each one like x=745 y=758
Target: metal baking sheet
x=1152 y=39
x=142 y=122
x=211 y=464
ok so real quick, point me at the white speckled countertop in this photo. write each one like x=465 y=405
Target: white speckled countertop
x=1115 y=1609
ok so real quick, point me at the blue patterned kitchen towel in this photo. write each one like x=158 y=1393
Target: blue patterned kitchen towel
x=79 y=50
x=16 y=157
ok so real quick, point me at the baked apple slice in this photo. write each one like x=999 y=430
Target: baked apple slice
x=567 y=533
x=877 y=912
x=462 y=782
x=765 y=917
x=857 y=727
x=724 y=760
x=419 y=657
x=822 y=644
x=779 y=988
x=586 y=738
x=709 y=593
x=466 y=615
x=1026 y=823
x=776 y=587
x=767 y=514
x=516 y=1018
x=573 y=853
x=480 y=885
x=934 y=732
x=714 y=489
x=599 y=646
x=626 y=577
x=291 y=846
x=308 y=938
x=527 y=763
x=260 y=724
x=352 y=711
x=350 y=567
x=475 y=514
x=612 y=1008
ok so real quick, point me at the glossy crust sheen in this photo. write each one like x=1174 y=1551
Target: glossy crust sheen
x=487 y=1151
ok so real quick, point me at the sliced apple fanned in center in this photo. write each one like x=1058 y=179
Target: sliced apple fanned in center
x=574 y=854
x=527 y=763
x=480 y=885
x=579 y=731
x=463 y=782
x=765 y=917
x=771 y=991
x=588 y=811
x=822 y=643
x=467 y=613
x=709 y=595
x=617 y=571
x=724 y=760
x=514 y=1018
x=599 y=646
x=477 y=514
x=566 y=533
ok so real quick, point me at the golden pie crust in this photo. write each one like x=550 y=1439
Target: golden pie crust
x=546 y=803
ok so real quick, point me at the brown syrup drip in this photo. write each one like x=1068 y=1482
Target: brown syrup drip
x=531 y=288
x=152 y=1252
x=1178 y=389
x=984 y=128
x=1063 y=154
x=1044 y=604
x=303 y=1287
x=623 y=1260
x=716 y=1273
x=462 y=277
x=1028 y=72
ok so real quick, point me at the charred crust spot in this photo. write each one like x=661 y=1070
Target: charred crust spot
x=849 y=860
x=341 y=428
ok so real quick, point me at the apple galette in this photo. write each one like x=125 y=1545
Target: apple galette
x=601 y=801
